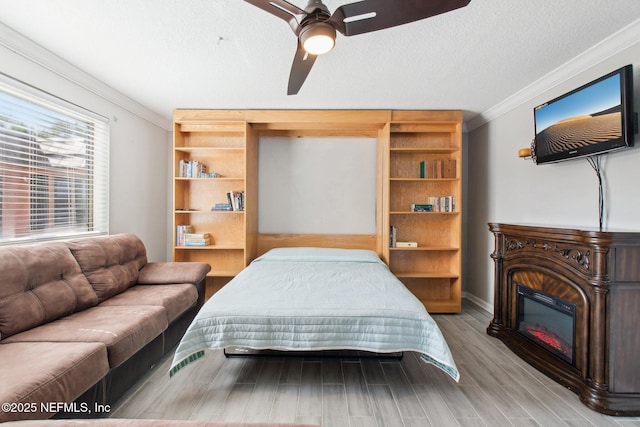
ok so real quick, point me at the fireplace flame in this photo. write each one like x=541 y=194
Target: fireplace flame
x=549 y=338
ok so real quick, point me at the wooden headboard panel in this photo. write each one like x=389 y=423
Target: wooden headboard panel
x=346 y=241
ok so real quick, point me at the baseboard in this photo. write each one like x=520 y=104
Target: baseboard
x=479 y=302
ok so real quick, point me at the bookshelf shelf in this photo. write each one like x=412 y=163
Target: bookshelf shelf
x=427 y=248
x=212 y=180
x=423 y=213
x=210 y=247
x=208 y=212
x=423 y=150
x=205 y=150
x=430 y=180
x=223 y=273
x=436 y=275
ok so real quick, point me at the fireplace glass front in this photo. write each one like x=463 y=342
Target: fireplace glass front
x=548 y=321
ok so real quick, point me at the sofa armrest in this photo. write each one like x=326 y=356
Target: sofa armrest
x=158 y=273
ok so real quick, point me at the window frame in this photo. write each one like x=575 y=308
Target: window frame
x=88 y=182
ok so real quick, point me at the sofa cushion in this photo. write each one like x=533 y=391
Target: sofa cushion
x=174 y=298
x=39 y=284
x=47 y=372
x=173 y=272
x=123 y=329
x=110 y=263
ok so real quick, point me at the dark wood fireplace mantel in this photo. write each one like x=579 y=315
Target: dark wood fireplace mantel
x=597 y=271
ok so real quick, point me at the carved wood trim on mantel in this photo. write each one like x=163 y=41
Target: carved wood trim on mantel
x=579 y=255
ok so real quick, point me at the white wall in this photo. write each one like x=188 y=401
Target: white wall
x=317 y=185
x=140 y=141
x=507 y=189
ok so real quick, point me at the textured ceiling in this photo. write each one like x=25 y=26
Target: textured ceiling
x=168 y=54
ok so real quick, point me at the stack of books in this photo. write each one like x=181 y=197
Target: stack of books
x=197 y=239
x=222 y=207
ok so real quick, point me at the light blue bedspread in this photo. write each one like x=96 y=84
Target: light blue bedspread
x=307 y=299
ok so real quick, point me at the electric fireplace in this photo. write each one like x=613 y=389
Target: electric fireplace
x=548 y=321
x=566 y=301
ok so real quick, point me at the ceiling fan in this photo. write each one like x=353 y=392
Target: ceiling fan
x=316 y=27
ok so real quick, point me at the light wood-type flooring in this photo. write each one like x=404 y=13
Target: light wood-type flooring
x=496 y=388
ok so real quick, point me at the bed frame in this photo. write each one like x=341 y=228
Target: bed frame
x=345 y=241
x=265 y=242
x=242 y=352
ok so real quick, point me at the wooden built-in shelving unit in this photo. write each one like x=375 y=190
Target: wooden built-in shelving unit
x=227 y=141
x=432 y=270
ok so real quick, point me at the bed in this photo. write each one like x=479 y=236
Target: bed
x=309 y=299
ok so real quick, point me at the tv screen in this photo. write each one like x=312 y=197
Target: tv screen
x=592 y=119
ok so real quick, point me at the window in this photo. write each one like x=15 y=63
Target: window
x=0 y=205
x=54 y=164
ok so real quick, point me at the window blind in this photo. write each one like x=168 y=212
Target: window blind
x=54 y=167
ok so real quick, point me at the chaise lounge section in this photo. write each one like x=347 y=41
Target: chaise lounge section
x=84 y=320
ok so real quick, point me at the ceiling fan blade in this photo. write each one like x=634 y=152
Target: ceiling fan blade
x=302 y=64
x=372 y=15
x=282 y=9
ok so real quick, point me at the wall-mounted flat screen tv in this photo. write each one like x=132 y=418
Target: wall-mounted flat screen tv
x=592 y=119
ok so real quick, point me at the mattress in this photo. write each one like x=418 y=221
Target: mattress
x=308 y=299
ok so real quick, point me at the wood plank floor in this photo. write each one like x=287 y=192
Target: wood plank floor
x=496 y=388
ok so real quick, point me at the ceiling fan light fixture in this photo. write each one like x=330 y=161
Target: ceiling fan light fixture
x=318 y=38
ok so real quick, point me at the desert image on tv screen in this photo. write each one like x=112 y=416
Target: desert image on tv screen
x=583 y=118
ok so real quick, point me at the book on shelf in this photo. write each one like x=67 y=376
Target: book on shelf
x=421 y=207
x=181 y=231
x=449 y=168
x=192 y=236
x=393 y=236
x=222 y=207
x=197 y=242
x=437 y=168
x=406 y=244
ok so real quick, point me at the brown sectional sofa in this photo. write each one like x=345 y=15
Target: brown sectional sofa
x=84 y=320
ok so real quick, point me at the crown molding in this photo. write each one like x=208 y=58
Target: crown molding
x=607 y=48
x=38 y=55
